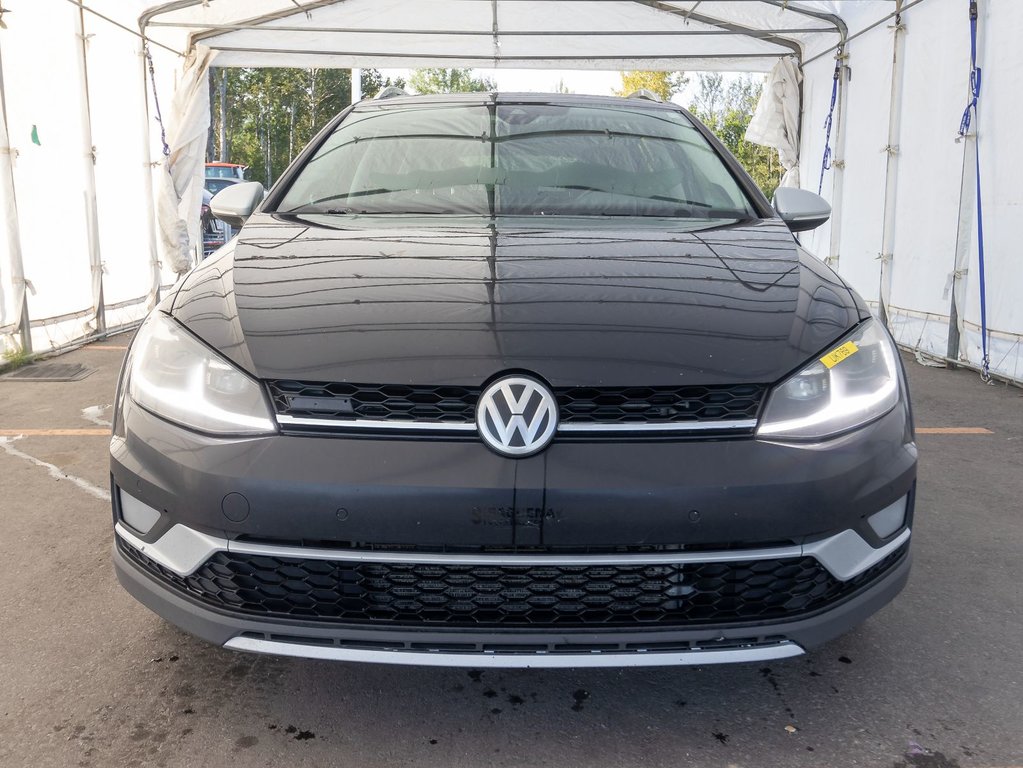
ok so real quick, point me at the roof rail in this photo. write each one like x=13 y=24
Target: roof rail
x=390 y=92
x=645 y=93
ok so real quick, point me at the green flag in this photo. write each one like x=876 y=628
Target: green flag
x=35 y=136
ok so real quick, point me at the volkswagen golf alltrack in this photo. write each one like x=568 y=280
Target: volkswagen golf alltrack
x=514 y=380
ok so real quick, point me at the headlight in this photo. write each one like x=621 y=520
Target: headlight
x=180 y=379
x=856 y=382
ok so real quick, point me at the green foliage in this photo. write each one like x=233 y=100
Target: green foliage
x=449 y=81
x=664 y=84
x=727 y=112
x=15 y=358
x=265 y=117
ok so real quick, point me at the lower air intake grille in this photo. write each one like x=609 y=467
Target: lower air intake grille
x=514 y=596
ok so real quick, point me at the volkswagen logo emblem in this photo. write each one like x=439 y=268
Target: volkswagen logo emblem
x=517 y=416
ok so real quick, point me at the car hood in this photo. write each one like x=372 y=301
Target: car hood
x=390 y=300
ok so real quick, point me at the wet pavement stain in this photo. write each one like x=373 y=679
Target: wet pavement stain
x=245 y=742
x=475 y=675
x=845 y=659
x=580 y=696
x=490 y=693
x=721 y=737
x=926 y=759
x=515 y=700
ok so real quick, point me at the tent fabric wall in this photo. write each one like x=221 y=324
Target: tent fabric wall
x=57 y=222
x=931 y=168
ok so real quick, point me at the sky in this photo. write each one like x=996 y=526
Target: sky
x=595 y=82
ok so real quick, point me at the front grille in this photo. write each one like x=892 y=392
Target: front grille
x=456 y=405
x=515 y=596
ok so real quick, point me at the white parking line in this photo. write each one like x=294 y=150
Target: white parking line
x=55 y=472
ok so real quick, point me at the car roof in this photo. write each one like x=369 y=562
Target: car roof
x=512 y=97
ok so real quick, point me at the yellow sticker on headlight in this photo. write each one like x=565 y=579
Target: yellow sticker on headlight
x=835 y=356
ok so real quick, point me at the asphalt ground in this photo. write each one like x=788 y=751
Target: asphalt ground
x=88 y=677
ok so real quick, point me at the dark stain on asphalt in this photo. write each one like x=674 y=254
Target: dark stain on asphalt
x=298 y=735
x=809 y=749
x=433 y=741
x=765 y=672
x=814 y=673
x=174 y=657
x=490 y=693
x=272 y=727
x=515 y=699
x=237 y=671
x=475 y=675
x=721 y=737
x=845 y=659
x=185 y=690
x=768 y=675
x=580 y=696
x=188 y=711
x=680 y=703
x=927 y=760
x=245 y=742
x=496 y=711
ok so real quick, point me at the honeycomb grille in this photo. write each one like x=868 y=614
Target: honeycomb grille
x=514 y=596
x=577 y=405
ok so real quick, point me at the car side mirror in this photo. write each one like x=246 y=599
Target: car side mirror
x=801 y=209
x=236 y=202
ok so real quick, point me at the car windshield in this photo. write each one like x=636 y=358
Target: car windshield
x=528 y=159
x=214 y=185
x=222 y=171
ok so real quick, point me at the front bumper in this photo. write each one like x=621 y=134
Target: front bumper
x=670 y=499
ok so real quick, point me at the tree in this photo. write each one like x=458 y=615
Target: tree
x=263 y=118
x=727 y=112
x=449 y=81
x=664 y=84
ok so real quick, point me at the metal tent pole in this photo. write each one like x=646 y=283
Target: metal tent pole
x=89 y=155
x=892 y=167
x=147 y=164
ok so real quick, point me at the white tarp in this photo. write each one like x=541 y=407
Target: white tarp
x=181 y=182
x=776 y=120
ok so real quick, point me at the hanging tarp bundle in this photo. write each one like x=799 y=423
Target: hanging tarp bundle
x=180 y=195
x=776 y=120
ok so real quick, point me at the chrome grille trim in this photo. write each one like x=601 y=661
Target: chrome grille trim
x=498 y=660
x=441 y=428
x=183 y=550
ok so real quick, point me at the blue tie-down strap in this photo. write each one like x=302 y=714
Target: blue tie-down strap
x=829 y=121
x=970 y=114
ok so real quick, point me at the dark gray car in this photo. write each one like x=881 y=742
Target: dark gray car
x=514 y=380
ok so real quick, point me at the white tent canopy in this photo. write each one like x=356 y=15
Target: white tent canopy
x=903 y=230
x=543 y=34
